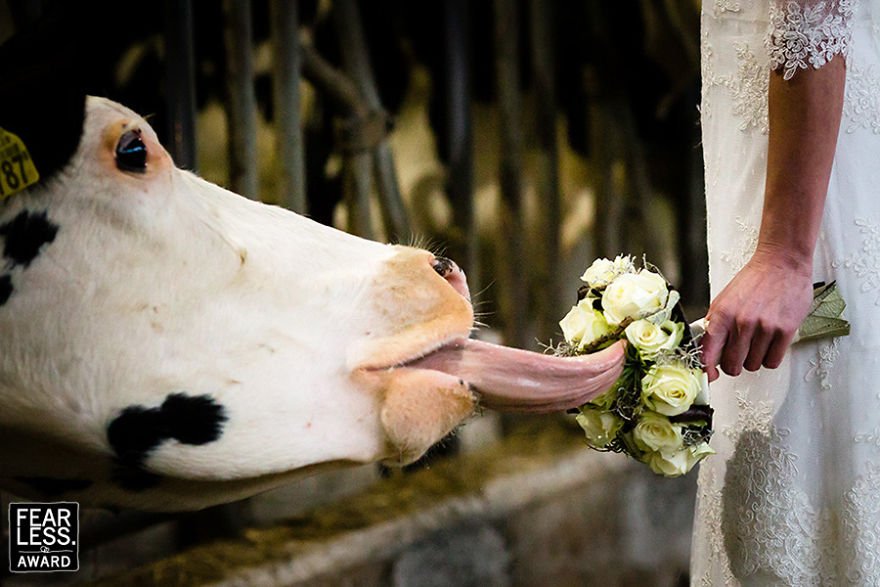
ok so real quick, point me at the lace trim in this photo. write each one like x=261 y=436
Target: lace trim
x=707 y=72
x=820 y=367
x=861 y=529
x=799 y=35
x=750 y=88
x=713 y=492
x=710 y=516
x=770 y=526
x=746 y=245
x=872 y=438
x=773 y=530
x=861 y=103
x=722 y=6
x=756 y=521
x=866 y=262
x=749 y=85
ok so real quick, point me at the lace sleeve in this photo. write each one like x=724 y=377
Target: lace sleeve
x=808 y=32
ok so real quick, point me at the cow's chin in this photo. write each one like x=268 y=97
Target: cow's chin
x=418 y=407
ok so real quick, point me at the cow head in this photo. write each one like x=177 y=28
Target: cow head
x=167 y=344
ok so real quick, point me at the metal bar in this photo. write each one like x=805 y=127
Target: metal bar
x=353 y=45
x=356 y=166
x=543 y=64
x=241 y=112
x=459 y=139
x=357 y=64
x=341 y=90
x=514 y=290
x=394 y=215
x=641 y=192
x=180 y=97
x=604 y=136
x=289 y=137
x=606 y=146
x=333 y=83
x=358 y=183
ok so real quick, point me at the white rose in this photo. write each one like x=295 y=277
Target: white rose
x=634 y=295
x=656 y=433
x=649 y=338
x=606 y=400
x=599 y=427
x=673 y=464
x=624 y=264
x=666 y=313
x=697 y=453
x=582 y=325
x=679 y=462
x=600 y=273
x=671 y=389
x=574 y=325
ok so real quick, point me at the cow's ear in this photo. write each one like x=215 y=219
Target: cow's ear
x=43 y=69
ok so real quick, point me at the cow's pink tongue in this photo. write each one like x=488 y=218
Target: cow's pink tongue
x=515 y=380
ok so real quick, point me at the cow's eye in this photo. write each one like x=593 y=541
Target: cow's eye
x=131 y=152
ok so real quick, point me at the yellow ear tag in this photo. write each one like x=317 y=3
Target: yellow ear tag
x=17 y=171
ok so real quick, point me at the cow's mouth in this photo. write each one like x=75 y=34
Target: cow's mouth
x=515 y=380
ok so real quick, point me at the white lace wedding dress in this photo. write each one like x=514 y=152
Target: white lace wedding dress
x=793 y=497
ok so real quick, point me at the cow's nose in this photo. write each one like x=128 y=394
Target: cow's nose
x=448 y=270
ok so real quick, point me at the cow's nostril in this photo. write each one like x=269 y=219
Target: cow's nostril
x=443 y=266
x=448 y=270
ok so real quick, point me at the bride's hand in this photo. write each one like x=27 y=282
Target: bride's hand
x=754 y=319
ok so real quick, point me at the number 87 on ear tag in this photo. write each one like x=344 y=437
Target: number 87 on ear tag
x=17 y=170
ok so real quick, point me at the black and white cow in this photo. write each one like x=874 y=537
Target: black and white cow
x=166 y=344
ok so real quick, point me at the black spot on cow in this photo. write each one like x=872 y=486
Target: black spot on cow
x=52 y=487
x=193 y=419
x=135 y=432
x=25 y=235
x=5 y=288
x=138 y=430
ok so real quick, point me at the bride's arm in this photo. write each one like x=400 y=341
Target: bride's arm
x=753 y=320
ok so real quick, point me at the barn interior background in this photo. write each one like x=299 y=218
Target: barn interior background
x=523 y=138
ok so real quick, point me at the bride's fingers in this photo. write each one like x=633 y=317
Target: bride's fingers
x=711 y=372
x=711 y=344
x=777 y=350
x=739 y=341
x=761 y=341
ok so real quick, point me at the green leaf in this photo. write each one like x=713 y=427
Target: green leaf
x=826 y=315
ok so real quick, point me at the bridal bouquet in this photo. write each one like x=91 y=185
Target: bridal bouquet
x=658 y=411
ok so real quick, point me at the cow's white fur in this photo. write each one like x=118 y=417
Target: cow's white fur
x=161 y=282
